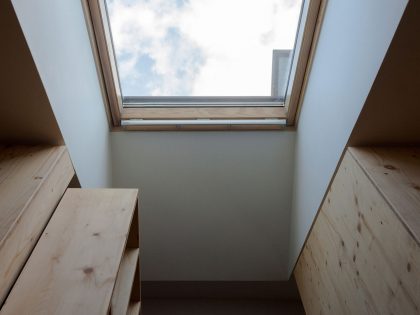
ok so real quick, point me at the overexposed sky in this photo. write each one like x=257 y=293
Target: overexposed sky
x=200 y=47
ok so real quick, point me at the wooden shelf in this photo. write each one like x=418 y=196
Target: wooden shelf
x=127 y=287
x=32 y=181
x=124 y=284
x=74 y=266
x=134 y=308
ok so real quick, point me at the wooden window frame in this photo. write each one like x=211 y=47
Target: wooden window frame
x=101 y=40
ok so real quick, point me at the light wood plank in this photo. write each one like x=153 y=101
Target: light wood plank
x=73 y=268
x=396 y=174
x=359 y=257
x=32 y=181
x=125 y=280
x=136 y=288
x=204 y=112
x=133 y=241
x=134 y=308
x=199 y=127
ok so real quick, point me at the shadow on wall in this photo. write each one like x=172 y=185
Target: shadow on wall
x=25 y=111
x=391 y=115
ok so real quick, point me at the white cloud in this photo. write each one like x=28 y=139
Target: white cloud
x=203 y=47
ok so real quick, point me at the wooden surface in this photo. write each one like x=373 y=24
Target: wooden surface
x=133 y=242
x=134 y=309
x=125 y=281
x=32 y=181
x=301 y=68
x=359 y=257
x=198 y=127
x=126 y=294
x=73 y=268
x=204 y=112
x=396 y=174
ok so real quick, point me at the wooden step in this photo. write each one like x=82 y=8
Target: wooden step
x=125 y=280
x=32 y=181
x=73 y=268
x=134 y=308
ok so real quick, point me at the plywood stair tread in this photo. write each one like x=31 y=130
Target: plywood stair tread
x=32 y=181
x=22 y=171
x=122 y=290
x=134 y=308
x=395 y=171
x=73 y=268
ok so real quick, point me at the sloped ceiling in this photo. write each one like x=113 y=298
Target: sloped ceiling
x=25 y=112
x=391 y=115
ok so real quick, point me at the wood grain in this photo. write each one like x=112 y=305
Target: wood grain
x=73 y=268
x=359 y=257
x=395 y=171
x=125 y=280
x=32 y=181
x=133 y=242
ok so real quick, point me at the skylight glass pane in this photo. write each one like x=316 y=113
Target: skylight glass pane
x=203 y=47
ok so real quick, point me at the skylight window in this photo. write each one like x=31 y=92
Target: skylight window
x=204 y=48
x=176 y=63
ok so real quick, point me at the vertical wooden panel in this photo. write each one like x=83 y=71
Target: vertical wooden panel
x=395 y=171
x=359 y=257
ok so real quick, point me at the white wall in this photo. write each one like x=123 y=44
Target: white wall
x=57 y=37
x=354 y=39
x=213 y=205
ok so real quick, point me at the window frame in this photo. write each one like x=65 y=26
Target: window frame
x=254 y=113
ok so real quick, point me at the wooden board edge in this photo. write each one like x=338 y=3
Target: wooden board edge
x=124 y=282
x=134 y=308
x=49 y=185
x=356 y=155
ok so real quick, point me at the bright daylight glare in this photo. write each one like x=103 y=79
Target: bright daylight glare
x=200 y=47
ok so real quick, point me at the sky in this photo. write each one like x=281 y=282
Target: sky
x=200 y=47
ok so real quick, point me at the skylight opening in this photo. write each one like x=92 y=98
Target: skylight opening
x=213 y=52
x=203 y=64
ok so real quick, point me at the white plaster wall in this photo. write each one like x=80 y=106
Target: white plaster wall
x=354 y=39
x=213 y=205
x=57 y=36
